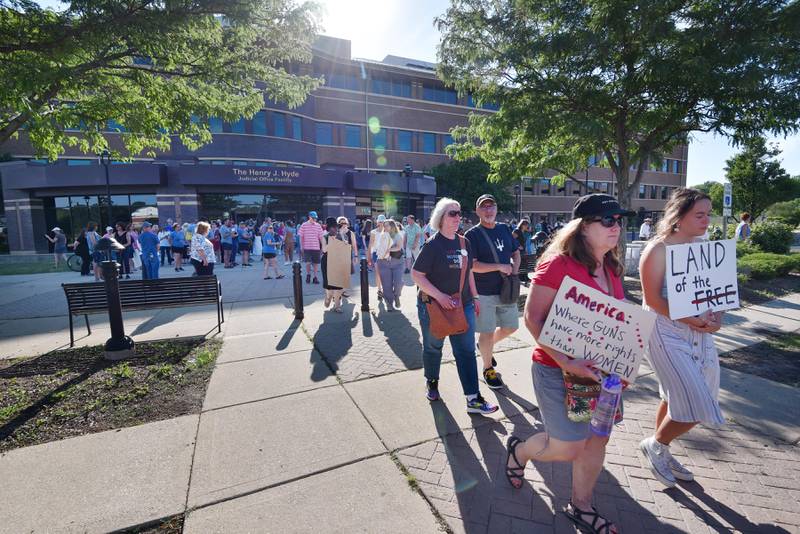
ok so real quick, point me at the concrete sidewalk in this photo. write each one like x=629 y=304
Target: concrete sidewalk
x=323 y=427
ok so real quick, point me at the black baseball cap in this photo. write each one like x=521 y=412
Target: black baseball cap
x=598 y=205
x=484 y=198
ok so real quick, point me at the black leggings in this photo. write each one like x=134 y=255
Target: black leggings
x=202 y=270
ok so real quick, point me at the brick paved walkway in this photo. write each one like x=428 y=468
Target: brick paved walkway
x=744 y=482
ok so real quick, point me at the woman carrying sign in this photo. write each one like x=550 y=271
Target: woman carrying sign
x=585 y=250
x=682 y=352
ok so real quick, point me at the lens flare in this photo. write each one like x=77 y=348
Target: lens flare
x=374 y=124
x=381 y=161
x=380 y=150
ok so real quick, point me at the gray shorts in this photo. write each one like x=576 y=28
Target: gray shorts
x=494 y=314
x=551 y=395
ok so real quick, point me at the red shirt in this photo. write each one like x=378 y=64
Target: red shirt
x=550 y=273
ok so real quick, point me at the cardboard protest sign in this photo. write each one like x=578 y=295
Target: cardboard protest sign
x=701 y=276
x=339 y=259
x=589 y=325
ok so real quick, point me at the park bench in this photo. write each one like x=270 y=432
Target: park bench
x=527 y=265
x=90 y=297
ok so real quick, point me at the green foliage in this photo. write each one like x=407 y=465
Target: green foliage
x=745 y=248
x=624 y=80
x=716 y=191
x=159 y=69
x=786 y=212
x=466 y=180
x=757 y=178
x=765 y=265
x=121 y=371
x=772 y=236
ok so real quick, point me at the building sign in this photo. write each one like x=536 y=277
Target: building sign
x=260 y=175
x=589 y=325
x=701 y=277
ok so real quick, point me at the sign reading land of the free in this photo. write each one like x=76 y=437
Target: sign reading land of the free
x=701 y=277
x=589 y=325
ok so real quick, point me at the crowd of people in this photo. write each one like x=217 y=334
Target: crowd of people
x=463 y=269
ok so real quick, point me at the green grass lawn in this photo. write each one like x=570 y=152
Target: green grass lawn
x=33 y=267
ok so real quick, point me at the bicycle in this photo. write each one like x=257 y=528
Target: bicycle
x=75 y=262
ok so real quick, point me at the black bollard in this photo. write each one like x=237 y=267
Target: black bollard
x=297 y=283
x=364 y=285
x=118 y=346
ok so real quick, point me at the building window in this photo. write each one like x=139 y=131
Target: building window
x=297 y=128
x=435 y=94
x=324 y=134
x=429 y=143
x=642 y=191
x=238 y=127
x=404 y=140
x=114 y=126
x=342 y=81
x=218 y=162
x=676 y=166
x=78 y=162
x=379 y=139
x=381 y=87
x=260 y=123
x=664 y=192
x=401 y=88
x=545 y=186
x=665 y=166
x=352 y=136
x=215 y=125
x=653 y=191
x=447 y=140
x=279 y=120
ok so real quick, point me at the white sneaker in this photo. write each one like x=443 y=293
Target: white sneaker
x=658 y=456
x=287 y=263
x=679 y=471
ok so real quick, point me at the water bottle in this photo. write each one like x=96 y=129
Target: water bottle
x=605 y=410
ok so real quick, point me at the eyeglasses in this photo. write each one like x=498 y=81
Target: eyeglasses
x=488 y=206
x=608 y=221
x=454 y=213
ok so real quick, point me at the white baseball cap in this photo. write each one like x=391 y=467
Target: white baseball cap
x=381 y=218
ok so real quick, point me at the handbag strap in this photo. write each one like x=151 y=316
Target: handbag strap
x=463 y=265
x=489 y=242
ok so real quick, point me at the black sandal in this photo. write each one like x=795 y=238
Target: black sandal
x=514 y=473
x=575 y=515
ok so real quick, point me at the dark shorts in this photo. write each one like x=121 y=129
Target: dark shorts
x=312 y=256
x=227 y=246
x=178 y=250
x=268 y=255
x=244 y=247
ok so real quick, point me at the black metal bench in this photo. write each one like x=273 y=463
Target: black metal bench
x=527 y=265
x=87 y=298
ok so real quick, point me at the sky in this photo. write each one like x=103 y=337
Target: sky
x=377 y=28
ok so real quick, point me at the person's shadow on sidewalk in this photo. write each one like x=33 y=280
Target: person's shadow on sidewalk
x=729 y=515
x=333 y=339
x=403 y=338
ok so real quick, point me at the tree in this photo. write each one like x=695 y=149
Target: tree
x=716 y=191
x=465 y=181
x=156 y=69
x=625 y=79
x=787 y=212
x=757 y=177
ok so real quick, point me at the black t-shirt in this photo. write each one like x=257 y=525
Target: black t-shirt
x=440 y=259
x=505 y=246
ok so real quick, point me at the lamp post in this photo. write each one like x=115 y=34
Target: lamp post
x=408 y=171
x=118 y=346
x=518 y=195
x=105 y=159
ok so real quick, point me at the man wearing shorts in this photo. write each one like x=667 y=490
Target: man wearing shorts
x=226 y=241
x=496 y=320
x=310 y=233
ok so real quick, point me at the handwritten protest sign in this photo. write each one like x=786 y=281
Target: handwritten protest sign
x=589 y=325
x=701 y=276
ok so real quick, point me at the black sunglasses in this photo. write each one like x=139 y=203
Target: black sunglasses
x=454 y=213
x=608 y=221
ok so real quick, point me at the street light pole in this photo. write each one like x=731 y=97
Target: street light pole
x=105 y=159
x=518 y=194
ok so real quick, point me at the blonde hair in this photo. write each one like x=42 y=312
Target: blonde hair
x=679 y=204
x=202 y=228
x=569 y=241
x=438 y=212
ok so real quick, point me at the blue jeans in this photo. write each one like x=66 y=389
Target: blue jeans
x=463 y=349
x=150 y=265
